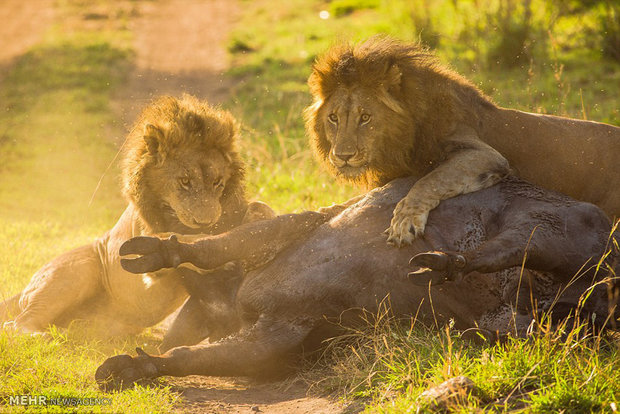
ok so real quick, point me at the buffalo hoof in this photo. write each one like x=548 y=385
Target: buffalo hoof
x=436 y=267
x=123 y=371
x=153 y=254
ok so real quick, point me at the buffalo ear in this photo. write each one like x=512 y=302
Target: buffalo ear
x=152 y=136
x=393 y=78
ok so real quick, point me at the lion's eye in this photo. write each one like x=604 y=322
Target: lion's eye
x=333 y=118
x=184 y=181
x=364 y=119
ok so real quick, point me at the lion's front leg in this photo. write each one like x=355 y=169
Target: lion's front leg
x=471 y=166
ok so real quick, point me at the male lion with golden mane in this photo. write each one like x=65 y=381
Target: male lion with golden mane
x=384 y=109
x=182 y=174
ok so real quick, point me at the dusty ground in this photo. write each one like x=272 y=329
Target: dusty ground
x=179 y=48
x=216 y=395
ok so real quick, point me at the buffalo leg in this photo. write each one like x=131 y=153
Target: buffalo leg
x=249 y=353
x=188 y=327
x=507 y=249
x=210 y=311
x=255 y=243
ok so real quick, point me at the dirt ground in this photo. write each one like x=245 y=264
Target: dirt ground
x=180 y=47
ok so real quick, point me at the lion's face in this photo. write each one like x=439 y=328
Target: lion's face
x=354 y=125
x=182 y=172
x=190 y=185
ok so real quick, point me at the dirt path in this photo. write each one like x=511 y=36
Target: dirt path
x=22 y=24
x=216 y=395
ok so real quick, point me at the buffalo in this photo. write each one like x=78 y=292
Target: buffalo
x=489 y=259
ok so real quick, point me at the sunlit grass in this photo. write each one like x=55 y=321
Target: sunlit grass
x=274 y=47
x=389 y=362
x=59 y=365
x=58 y=150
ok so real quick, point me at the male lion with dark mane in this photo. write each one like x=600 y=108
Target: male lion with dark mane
x=384 y=109
x=182 y=174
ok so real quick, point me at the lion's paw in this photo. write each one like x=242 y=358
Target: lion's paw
x=123 y=371
x=408 y=223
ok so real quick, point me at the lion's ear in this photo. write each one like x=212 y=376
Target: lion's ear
x=152 y=137
x=393 y=78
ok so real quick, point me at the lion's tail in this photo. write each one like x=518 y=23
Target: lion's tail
x=9 y=309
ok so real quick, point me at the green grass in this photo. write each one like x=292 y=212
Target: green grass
x=390 y=362
x=274 y=47
x=62 y=366
x=54 y=120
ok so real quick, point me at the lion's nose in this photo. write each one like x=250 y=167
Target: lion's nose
x=208 y=214
x=345 y=154
x=345 y=157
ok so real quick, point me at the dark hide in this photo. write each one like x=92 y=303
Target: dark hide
x=327 y=270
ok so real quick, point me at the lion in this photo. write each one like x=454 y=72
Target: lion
x=181 y=173
x=384 y=109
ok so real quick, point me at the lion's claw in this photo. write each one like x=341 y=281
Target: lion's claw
x=123 y=371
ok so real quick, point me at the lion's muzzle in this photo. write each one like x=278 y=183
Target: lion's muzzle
x=349 y=163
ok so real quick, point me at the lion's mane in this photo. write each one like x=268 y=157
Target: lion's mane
x=423 y=101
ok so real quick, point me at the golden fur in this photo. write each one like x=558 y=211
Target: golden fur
x=181 y=173
x=384 y=109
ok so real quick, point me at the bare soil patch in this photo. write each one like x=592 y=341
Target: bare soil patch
x=230 y=395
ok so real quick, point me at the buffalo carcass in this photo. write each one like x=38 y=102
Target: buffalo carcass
x=316 y=268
